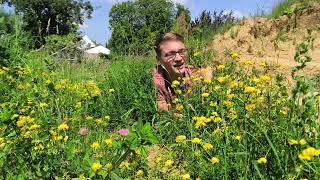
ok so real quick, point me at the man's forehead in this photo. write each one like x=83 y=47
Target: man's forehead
x=171 y=44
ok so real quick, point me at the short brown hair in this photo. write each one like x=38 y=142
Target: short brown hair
x=170 y=36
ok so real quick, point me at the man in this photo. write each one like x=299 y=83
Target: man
x=172 y=65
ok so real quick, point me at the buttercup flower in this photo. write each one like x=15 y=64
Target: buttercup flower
x=262 y=160
x=215 y=160
x=96 y=166
x=180 y=138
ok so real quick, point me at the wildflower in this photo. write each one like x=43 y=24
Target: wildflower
x=208 y=146
x=89 y=118
x=107 y=118
x=124 y=132
x=262 y=160
x=222 y=79
x=293 y=142
x=234 y=84
x=217 y=119
x=230 y=96
x=180 y=138
x=83 y=131
x=43 y=105
x=96 y=166
x=108 y=166
x=205 y=95
x=265 y=77
x=58 y=138
x=250 y=107
x=250 y=90
x=176 y=100
x=248 y=62
x=108 y=142
x=215 y=160
x=237 y=138
x=221 y=66
x=99 y=121
x=309 y=153
x=179 y=107
x=302 y=142
x=196 y=141
x=178 y=91
x=63 y=127
x=175 y=83
x=234 y=55
x=207 y=81
x=217 y=88
x=197 y=153
x=111 y=90
x=186 y=176
x=78 y=105
x=263 y=64
x=213 y=104
x=95 y=145
x=125 y=164
x=197 y=54
x=168 y=163
x=139 y=173
x=66 y=138
x=260 y=99
x=228 y=104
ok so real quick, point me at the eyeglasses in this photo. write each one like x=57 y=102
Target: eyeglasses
x=172 y=54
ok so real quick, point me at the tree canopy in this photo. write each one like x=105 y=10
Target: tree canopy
x=135 y=25
x=46 y=17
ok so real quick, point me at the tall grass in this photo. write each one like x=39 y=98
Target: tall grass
x=284 y=6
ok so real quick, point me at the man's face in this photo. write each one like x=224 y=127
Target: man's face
x=173 y=56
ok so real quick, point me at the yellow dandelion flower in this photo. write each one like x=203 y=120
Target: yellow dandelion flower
x=237 y=138
x=213 y=104
x=63 y=127
x=111 y=90
x=262 y=160
x=250 y=90
x=95 y=145
x=125 y=164
x=293 y=142
x=108 y=166
x=139 y=173
x=99 y=120
x=302 y=142
x=221 y=66
x=215 y=160
x=207 y=81
x=233 y=84
x=196 y=141
x=185 y=176
x=180 y=138
x=96 y=166
x=250 y=107
x=205 y=95
x=309 y=153
x=234 y=55
x=175 y=83
x=168 y=163
x=179 y=107
x=208 y=146
x=217 y=88
x=108 y=142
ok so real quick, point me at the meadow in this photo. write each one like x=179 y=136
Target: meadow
x=98 y=119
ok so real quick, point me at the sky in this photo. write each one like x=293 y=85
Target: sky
x=97 y=28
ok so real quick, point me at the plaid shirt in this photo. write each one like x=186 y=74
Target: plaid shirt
x=162 y=83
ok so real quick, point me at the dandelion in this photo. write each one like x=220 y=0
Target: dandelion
x=196 y=141
x=233 y=84
x=208 y=146
x=221 y=66
x=89 y=118
x=215 y=160
x=213 y=104
x=168 y=163
x=250 y=90
x=205 y=95
x=83 y=131
x=207 y=81
x=237 y=138
x=223 y=79
x=217 y=88
x=123 y=132
x=63 y=127
x=309 y=153
x=95 y=145
x=108 y=142
x=250 y=107
x=186 y=176
x=180 y=138
x=175 y=83
x=96 y=166
x=179 y=107
x=293 y=142
x=111 y=90
x=139 y=173
x=178 y=91
x=234 y=55
x=262 y=160
x=108 y=166
x=99 y=120
x=125 y=164
x=107 y=118
x=43 y=105
x=302 y=142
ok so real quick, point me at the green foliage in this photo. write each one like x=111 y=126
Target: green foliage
x=285 y=7
x=135 y=25
x=43 y=18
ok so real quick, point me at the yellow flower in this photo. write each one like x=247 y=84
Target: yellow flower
x=108 y=166
x=217 y=88
x=95 y=145
x=221 y=66
x=107 y=118
x=205 y=95
x=43 y=105
x=96 y=166
x=234 y=55
x=168 y=163
x=250 y=107
x=215 y=160
x=179 y=107
x=111 y=90
x=180 y=138
x=309 y=153
x=234 y=84
x=237 y=138
x=125 y=164
x=63 y=127
x=175 y=83
x=208 y=146
x=108 y=142
x=293 y=142
x=139 y=173
x=207 y=81
x=99 y=121
x=178 y=91
x=262 y=160
x=223 y=79
x=213 y=104
x=66 y=138
x=89 y=118
x=196 y=141
x=248 y=62
x=302 y=142
x=228 y=104
x=186 y=176
x=250 y=90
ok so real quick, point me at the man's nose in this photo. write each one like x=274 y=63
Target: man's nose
x=178 y=57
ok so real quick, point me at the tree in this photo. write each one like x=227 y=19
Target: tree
x=135 y=25
x=47 y=17
x=183 y=19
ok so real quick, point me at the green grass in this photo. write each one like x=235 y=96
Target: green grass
x=284 y=7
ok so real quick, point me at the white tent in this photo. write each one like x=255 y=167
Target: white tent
x=91 y=48
x=98 y=50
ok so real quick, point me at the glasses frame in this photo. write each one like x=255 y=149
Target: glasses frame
x=182 y=52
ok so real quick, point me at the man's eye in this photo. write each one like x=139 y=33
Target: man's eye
x=170 y=54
